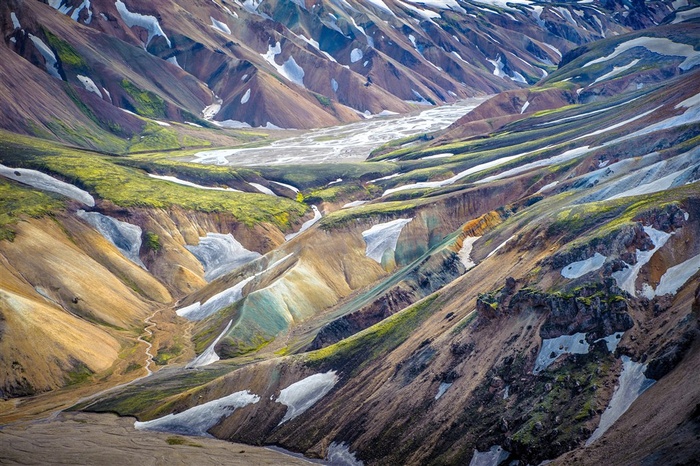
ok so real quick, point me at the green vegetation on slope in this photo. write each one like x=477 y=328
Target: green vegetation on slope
x=360 y=349
x=129 y=187
x=17 y=201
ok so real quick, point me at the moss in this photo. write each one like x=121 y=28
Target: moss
x=154 y=137
x=106 y=178
x=151 y=241
x=145 y=103
x=67 y=55
x=341 y=217
x=323 y=100
x=358 y=350
x=17 y=202
x=79 y=374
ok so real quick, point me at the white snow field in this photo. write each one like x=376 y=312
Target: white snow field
x=209 y=355
x=660 y=45
x=383 y=237
x=565 y=344
x=39 y=180
x=89 y=85
x=627 y=277
x=199 y=311
x=49 y=57
x=176 y=180
x=148 y=22
x=492 y=457
x=307 y=224
x=289 y=69
x=464 y=254
x=632 y=383
x=351 y=142
x=221 y=253
x=199 y=419
x=339 y=455
x=125 y=236
x=302 y=395
x=581 y=268
x=677 y=276
x=442 y=389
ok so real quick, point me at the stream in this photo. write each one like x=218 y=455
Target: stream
x=346 y=143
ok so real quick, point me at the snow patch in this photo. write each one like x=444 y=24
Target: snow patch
x=383 y=237
x=89 y=85
x=660 y=45
x=15 y=22
x=42 y=181
x=524 y=107
x=289 y=69
x=149 y=23
x=552 y=348
x=627 y=277
x=209 y=355
x=354 y=204
x=675 y=277
x=125 y=236
x=220 y=26
x=683 y=16
x=356 y=55
x=49 y=58
x=288 y=186
x=263 y=189
x=176 y=180
x=300 y=396
x=334 y=85
x=307 y=224
x=199 y=419
x=438 y=156
x=220 y=254
x=615 y=71
x=339 y=455
x=581 y=268
x=464 y=254
x=246 y=97
x=611 y=341
x=493 y=457
x=632 y=383
x=442 y=389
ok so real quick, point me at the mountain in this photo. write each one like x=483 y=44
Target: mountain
x=517 y=287
x=273 y=64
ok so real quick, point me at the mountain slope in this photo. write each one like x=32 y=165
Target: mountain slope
x=274 y=63
x=575 y=232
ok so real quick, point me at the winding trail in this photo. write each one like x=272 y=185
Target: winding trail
x=94 y=398
x=149 y=346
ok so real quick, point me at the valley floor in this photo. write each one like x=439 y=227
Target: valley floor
x=106 y=439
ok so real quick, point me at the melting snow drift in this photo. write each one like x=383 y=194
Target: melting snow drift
x=199 y=419
x=302 y=395
x=220 y=254
x=39 y=180
x=632 y=384
x=125 y=236
x=383 y=237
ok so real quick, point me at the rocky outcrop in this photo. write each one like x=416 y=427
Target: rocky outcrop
x=599 y=309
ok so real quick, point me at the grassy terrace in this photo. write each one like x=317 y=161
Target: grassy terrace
x=127 y=186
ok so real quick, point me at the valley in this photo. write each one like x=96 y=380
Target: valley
x=348 y=233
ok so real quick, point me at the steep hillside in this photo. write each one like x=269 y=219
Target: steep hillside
x=525 y=294
x=273 y=63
